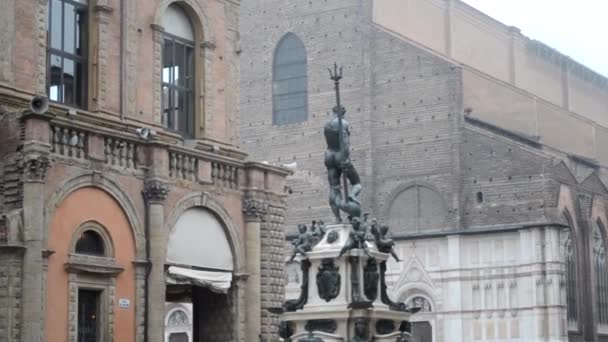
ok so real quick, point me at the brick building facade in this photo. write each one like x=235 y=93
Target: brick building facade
x=130 y=191
x=500 y=214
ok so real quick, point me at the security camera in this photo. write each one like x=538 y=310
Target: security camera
x=145 y=132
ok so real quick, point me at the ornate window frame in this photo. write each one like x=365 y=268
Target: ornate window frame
x=169 y=330
x=81 y=83
x=203 y=59
x=89 y=272
x=598 y=244
x=572 y=326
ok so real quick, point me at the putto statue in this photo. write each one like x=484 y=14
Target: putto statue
x=384 y=243
x=337 y=159
x=302 y=243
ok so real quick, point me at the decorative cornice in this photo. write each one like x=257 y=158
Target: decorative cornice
x=103 y=9
x=255 y=209
x=94 y=268
x=208 y=45
x=47 y=253
x=157 y=28
x=36 y=167
x=155 y=190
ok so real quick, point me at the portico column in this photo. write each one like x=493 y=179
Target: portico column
x=155 y=192
x=254 y=211
x=36 y=164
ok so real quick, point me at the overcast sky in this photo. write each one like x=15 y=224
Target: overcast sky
x=577 y=28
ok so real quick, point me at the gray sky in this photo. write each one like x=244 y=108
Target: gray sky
x=576 y=28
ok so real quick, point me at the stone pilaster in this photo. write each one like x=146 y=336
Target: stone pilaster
x=272 y=241
x=35 y=169
x=141 y=268
x=586 y=307
x=158 y=59
x=99 y=83
x=254 y=211
x=155 y=192
x=7 y=39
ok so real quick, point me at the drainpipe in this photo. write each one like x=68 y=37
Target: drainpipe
x=123 y=60
x=148 y=265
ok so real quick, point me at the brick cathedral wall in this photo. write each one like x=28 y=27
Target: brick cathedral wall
x=416 y=113
x=512 y=179
x=331 y=31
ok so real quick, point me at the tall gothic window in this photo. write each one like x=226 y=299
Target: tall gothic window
x=67 y=52
x=569 y=253
x=178 y=72
x=601 y=276
x=290 y=82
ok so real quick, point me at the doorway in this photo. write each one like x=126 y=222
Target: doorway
x=422 y=332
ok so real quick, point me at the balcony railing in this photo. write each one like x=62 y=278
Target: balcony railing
x=69 y=142
x=120 y=152
x=124 y=151
x=220 y=171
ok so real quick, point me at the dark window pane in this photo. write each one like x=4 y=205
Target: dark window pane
x=167 y=61
x=69 y=81
x=79 y=86
x=90 y=243
x=178 y=337
x=180 y=62
x=189 y=61
x=80 y=31
x=56 y=19
x=69 y=28
x=55 y=71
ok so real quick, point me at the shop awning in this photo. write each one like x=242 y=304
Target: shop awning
x=216 y=281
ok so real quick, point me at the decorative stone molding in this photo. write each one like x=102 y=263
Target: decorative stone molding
x=208 y=45
x=36 y=167
x=92 y=265
x=155 y=190
x=157 y=28
x=255 y=209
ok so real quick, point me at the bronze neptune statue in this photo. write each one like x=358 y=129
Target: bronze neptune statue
x=337 y=159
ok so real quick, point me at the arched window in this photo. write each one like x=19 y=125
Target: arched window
x=90 y=243
x=417 y=209
x=420 y=302
x=290 y=82
x=178 y=72
x=601 y=276
x=569 y=254
x=178 y=319
x=67 y=52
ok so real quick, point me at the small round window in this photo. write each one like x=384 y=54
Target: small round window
x=90 y=243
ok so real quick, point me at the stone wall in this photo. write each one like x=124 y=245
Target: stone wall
x=10 y=293
x=272 y=273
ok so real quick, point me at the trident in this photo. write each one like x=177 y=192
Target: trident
x=336 y=76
